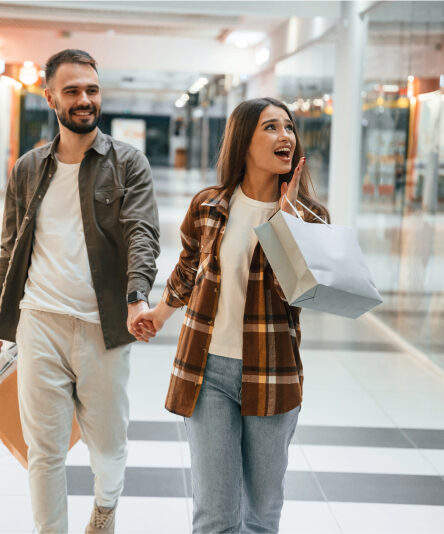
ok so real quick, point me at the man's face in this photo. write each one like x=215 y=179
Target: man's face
x=74 y=93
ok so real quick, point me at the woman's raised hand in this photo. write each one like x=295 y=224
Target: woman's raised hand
x=291 y=189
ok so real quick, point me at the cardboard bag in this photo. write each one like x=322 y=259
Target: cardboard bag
x=10 y=426
x=318 y=266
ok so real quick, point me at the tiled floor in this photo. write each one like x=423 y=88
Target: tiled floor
x=367 y=457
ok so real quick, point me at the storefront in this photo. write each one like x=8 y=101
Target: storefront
x=401 y=180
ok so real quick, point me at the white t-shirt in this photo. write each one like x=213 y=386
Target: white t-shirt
x=236 y=252
x=59 y=277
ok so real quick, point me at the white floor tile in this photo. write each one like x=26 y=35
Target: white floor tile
x=415 y=411
x=393 y=371
x=307 y=518
x=15 y=515
x=150 y=374
x=296 y=459
x=13 y=480
x=340 y=407
x=436 y=457
x=367 y=460
x=366 y=518
x=140 y=454
x=324 y=371
x=153 y=516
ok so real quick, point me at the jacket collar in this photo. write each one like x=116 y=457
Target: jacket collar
x=220 y=199
x=100 y=145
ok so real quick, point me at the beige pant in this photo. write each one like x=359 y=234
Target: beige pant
x=62 y=364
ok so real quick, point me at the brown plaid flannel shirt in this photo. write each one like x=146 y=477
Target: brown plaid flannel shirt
x=272 y=373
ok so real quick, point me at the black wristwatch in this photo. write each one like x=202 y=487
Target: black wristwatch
x=135 y=296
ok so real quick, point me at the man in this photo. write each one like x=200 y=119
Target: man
x=79 y=243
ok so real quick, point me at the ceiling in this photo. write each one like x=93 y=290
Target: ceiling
x=134 y=26
x=184 y=39
x=201 y=19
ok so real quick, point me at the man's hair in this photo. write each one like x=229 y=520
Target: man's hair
x=69 y=55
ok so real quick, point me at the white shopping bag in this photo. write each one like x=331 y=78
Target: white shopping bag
x=318 y=266
x=8 y=361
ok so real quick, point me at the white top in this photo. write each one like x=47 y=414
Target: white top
x=236 y=252
x=59 y=277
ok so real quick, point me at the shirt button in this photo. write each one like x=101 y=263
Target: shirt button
x=26 y=218
x=216 y=290
x=107 y=200
x=50 y=175
x=210 y=322
x=40 y=197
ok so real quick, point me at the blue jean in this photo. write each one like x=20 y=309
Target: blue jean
x=238 y=462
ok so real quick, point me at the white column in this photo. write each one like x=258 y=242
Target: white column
x=345 y=150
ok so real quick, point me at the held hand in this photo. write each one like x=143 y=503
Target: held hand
x=151 y=321
x=141 y=331
x=291 y=189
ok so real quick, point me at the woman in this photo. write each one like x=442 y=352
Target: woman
x=237 y=377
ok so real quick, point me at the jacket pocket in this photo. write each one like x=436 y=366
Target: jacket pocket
x=108 y=196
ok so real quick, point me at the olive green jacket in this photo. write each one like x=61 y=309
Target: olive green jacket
x=120 y=221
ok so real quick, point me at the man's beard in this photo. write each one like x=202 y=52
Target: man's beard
x=65 y=119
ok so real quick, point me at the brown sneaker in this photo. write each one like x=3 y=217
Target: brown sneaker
x=102 y=520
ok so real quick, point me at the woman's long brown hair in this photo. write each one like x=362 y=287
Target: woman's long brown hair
x=237 y=138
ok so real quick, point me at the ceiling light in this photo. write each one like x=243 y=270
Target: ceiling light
x=241 y=44
x=198 y=85
x=180 y=102
x=244 y=38
x=28 y=74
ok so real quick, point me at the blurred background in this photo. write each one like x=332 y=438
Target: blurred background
x=171 y=72
x=365 y=81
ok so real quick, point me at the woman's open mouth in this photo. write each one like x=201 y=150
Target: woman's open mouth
x=283 y=154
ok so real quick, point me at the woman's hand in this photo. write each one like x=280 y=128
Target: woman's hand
x=149 y=322
x=291 y=189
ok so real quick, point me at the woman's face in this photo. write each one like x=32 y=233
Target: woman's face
x=273 y=142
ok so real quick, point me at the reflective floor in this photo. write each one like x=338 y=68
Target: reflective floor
x=367 y=457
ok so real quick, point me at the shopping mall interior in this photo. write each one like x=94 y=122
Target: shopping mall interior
x=365 y=82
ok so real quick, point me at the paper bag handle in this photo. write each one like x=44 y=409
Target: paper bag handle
x=308 y=209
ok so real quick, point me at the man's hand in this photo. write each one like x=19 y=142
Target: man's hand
x=141 y=330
